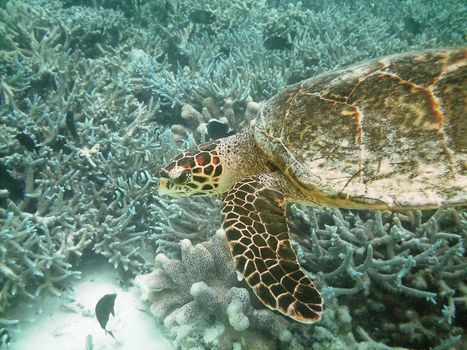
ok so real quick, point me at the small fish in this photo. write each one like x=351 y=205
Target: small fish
x=142 y=177
x=14 y=185
x=412 y=26
x=217 y=129
x=119 y=197
x=105 y=307
x=202 y=17
x=168 y=7
x=115 y=194
x=71 y=125
x=277 y=43
x=225 y=50
x=5 y=338
x=27 y=141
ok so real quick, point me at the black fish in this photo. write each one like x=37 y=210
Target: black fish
x=4 y=337
x=168 y=7
x=277 y=43
x=14 y=186
x=71 y=125
x=105 y=307
x=202 y=17
x=412 y=26
x=225 y=50
x=217 y=129
x=27 y=141
x=119 y=196
x=175 y=56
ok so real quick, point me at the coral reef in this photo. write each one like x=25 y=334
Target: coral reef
x=404 y=272
x=405 y=269
x=196 y=220
x=78 y=155
x=96 y=95
x=35 y=248
x=200 y=300
x=226 y=57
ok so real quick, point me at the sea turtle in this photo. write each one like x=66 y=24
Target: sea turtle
x=390 y=133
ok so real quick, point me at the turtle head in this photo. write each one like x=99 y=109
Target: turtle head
x=197 y=171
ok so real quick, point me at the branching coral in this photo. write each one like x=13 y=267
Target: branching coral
x=199 y=296
x=99 y=87
x=226 y=58
x=383 y=256
x=88 y=178
x=196 y=219
x=36 y=251
x=364 y=260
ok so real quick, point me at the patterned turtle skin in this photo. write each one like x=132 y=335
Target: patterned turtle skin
x=389 y=133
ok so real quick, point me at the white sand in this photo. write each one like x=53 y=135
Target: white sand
x=48 y=325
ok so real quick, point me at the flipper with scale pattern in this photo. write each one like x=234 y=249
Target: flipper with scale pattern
x=256 y=228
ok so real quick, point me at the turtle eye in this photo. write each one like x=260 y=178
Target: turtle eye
x=182 y=177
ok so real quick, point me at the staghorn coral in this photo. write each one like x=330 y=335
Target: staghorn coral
x=363 y=261
x=122 y=71
x=384 y=256
x=36 y=248
x=226 y=58
x=196 y=220
x=87 y=181
x=201 y=301
x=337 y=330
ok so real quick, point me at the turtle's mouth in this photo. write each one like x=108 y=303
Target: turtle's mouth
x=169 y=188
x=180 y=182
x=164 y=186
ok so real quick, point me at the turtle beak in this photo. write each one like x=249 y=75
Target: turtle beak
x=176 y=183
x=163 y=186
x=164 y=183
x=169 y=187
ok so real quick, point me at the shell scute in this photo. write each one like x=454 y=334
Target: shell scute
x=389 y=133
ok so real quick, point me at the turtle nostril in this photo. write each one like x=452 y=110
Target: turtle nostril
x=164 y=173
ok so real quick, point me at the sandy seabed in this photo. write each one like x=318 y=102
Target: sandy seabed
x=64 y=323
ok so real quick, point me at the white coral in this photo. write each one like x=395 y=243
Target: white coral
x=202 y=288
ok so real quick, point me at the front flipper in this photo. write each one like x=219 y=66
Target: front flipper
x=256 y=228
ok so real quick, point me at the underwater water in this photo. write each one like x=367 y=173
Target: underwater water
x=98 y=96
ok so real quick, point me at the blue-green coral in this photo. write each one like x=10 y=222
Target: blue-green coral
x=131 y=74
x=404 y=270
x=373 y=267
x=200 y=295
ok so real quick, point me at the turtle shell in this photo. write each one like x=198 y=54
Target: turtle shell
x=388 y=133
